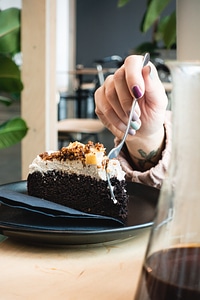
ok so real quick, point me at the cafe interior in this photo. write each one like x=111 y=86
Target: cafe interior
x=68 y=48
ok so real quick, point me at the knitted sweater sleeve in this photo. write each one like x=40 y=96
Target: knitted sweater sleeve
x=154 y=176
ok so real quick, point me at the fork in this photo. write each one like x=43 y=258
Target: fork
x=116 y=150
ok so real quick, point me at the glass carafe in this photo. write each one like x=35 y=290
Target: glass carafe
x=171 y=268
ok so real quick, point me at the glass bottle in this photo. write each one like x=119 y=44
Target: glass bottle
x=171 y=268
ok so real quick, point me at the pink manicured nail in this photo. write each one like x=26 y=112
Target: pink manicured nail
x=135 y=116
x=137 y=92
x=131 y=131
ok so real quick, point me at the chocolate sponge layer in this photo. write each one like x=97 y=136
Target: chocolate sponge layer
x=79 y=192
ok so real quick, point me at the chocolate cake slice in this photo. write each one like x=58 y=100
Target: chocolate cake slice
x=75 y=176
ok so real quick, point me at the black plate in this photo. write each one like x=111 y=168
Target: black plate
x=141 y=211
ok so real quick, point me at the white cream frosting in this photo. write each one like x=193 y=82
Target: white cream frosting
x=95 y=170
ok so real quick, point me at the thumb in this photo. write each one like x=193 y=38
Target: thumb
x=154 y=89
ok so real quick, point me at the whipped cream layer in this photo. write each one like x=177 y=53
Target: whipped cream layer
x=80 y=159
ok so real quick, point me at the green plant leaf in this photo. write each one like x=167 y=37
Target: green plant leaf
x=10 y=30
x=122 y=3
x=9 y=98
x=153 y=11
x=145 y=47
x=5 y=100
x=9 y=75
x=169 y=33
x=12 y=132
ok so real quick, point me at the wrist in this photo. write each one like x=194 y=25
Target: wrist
x=146 y=151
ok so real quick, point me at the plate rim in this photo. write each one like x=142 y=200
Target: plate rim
x=29 y=232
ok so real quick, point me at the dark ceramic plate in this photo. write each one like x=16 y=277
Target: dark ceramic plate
x=141 y=210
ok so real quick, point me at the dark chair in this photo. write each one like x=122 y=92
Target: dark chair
x=111 y=63
x=80 y=96
x=82 y=129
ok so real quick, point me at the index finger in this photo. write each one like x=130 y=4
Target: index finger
x=133 y=74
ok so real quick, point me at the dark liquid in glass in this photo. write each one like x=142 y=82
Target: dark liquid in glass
x=171 y=274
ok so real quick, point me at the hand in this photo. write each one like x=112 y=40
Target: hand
x=114 y=99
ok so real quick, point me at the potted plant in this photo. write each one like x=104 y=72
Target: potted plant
x=12 y=131
x=164 y=27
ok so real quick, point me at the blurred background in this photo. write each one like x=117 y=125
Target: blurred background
x=86 y=31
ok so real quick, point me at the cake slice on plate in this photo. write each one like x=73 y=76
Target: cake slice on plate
x=75 y=176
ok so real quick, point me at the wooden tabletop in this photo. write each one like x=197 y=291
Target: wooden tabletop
x=102 y=271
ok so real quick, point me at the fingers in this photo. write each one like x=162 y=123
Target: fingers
x=154 y=90
x=133 y=75
x=108 y=108
x=146 y=80
x=114 y=99
x=124 y=96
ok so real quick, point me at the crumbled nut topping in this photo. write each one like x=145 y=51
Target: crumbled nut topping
x=74 y=151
